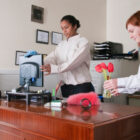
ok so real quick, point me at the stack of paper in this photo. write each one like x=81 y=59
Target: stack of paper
x=55 y=103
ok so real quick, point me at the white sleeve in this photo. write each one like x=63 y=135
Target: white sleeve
x=121 y=82
x=79 y=56
x=132 y=81
x=128 y=90
x=50 y=59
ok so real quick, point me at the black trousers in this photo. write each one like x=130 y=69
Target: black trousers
x=68 y=90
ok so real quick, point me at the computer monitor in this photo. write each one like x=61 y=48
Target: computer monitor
x=30 y=73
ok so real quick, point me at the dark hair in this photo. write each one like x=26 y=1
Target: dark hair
x=72 y=20
x=134 y=19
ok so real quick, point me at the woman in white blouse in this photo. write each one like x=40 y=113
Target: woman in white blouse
x=129 y=84
x=71 y=60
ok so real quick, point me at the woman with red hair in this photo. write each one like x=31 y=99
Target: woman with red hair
x=129 y=84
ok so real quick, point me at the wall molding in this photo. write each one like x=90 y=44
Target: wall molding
x=9 y=72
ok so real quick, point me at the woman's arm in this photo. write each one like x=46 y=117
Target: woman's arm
x=128 y=90
x=50 y=59
x=79 y=56
x=132 y=81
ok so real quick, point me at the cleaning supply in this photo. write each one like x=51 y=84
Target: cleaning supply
x=84 y=99
x=30 y=53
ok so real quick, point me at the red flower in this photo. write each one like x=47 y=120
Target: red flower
x=110 y=67
x=103 y=65
x=98 y=68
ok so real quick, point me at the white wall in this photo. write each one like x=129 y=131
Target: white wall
x=17 y=32
x=118 y=11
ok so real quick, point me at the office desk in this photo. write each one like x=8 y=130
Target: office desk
x=19 y=121
x=133 y=99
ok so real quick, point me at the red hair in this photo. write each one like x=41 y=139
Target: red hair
x=134 y=19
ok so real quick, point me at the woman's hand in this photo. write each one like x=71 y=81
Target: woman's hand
x=46 y=68
x=110 y=84
x=115 y=92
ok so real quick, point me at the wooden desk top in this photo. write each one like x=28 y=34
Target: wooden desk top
x=106 y=112
x=97 y=116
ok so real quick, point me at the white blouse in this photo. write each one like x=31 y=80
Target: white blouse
x=71 y=59
x=129 y=84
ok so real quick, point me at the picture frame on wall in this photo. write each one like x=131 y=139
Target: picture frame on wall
x=42 y=36
x=18 y=54
x=37 y=14
x=56 y=38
